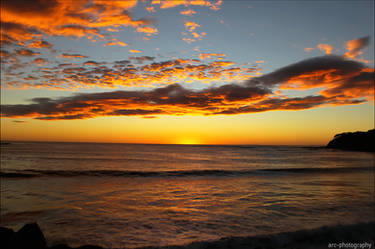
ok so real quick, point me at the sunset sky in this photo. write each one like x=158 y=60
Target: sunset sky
x=206 y=72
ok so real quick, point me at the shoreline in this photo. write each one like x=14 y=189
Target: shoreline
x=360 y=235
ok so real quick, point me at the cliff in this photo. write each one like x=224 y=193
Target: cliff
x=357 y=141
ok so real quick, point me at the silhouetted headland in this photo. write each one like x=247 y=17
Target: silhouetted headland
x=31 y=237
x=355 y=141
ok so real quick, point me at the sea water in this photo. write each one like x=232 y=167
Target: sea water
x=135 y=195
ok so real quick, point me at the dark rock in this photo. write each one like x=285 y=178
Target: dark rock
x=356 y=141
x=28 y=237
x=61 y=246
x=89 y=247
x=6 y=235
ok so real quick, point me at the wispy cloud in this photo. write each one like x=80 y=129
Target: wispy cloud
x=135 y=51
x=308 y=49
x=355 y=46
x=191 y=26
x=325 y=48
x=165 y=4
x=72 y=56
x=204 y=56
x=188 y=12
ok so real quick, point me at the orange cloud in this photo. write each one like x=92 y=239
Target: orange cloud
x=15 y=33
x=203 y=56
x=164 y=4
x=91 y=63
x=222 y=63
x=147 y=30
x=114 y=42
x=188 y=12
x=325 y=48
x=26 y=52
x=198 y=35
x=40 y=44
x=308 y=49
x=341 y=80
x=151 y=9
x=170 y=100
x=191 y=25
x=135 y=51
x=30 y=21
x=188 y=40
x=355 y=46
x=40 y=61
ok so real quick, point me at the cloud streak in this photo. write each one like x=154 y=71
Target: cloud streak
x=341 y=82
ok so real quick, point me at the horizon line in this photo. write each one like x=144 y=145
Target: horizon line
x=135 y=143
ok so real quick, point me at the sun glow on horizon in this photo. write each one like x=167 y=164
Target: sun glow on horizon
x=189 y=140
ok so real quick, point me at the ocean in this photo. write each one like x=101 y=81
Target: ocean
x=136 y=195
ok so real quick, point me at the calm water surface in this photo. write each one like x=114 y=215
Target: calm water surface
x=127 y=195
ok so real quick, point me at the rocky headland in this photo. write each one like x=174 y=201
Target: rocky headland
x=354 y=141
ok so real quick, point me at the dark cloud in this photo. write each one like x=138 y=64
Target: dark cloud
x=26 y=52
x=4 y=54
x=123 y=62
x=15 y=33
x=142 y=59
x=309 y=66
x=341 y=78
x=40 y=44
x=343 y=82
x=27 y=6
x=173 y=99
x=270 y=104
x=72 y=56
x=91 y=63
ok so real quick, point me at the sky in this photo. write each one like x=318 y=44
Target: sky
x=186 y=72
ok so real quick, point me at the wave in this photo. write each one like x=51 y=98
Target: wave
x=320 y=237
x=181 y=173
